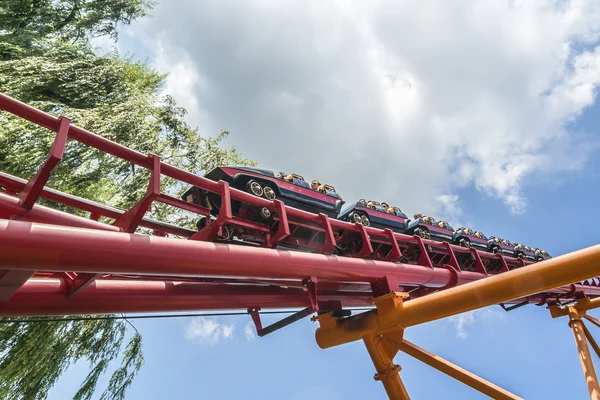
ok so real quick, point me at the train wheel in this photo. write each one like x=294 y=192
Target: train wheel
x=355 y=217
x=521 y=256
x=424 y=233
x=265 y=212
x=255 y=188
x=269 y=193
x=365 y=220
x=227 y=232
x=496 y=250
x=464 y=242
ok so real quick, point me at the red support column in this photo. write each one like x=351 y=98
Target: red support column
x=132 y=218
x=32 y=190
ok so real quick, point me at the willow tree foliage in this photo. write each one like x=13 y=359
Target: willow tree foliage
x=25 y=21
x=46 y=60
x=38 y=353
x=114 y=97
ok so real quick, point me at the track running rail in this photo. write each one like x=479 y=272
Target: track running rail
x=374 y=261
x=56 y=263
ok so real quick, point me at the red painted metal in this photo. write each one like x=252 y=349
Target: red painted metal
x=395 y=253
x=48 y=296
x=26 y=245
x=132 y=218
x=14 y=185
x=11 y=209
x=79 y=263
x=32 y=190
x=283 y=230
x=367 y=247
x=80 y=282
x=11 y=281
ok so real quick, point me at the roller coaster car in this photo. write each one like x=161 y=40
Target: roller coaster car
x=292 y=189
x=519 y=251
x=375 y=215
x=466 y=237
x=529 y=253
x=541 y=255
x=503 y=246
x=429 y=228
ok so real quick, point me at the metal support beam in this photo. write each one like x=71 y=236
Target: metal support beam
x=11 y=281
x=80 y=282
x=33 y=188
x=387 y=372
x=48 y=296
x=297 y=316
x=585 y=356
x=563 y=270
x=593 y=320
x=591 y=339
x=456 y=372
x=583 y=305
x=132 y=217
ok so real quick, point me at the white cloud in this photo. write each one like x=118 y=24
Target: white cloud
x=249 y=331
x=402 y=102
x=208 y=330
x=449 y=207
x=182 y=82
x=462 y=321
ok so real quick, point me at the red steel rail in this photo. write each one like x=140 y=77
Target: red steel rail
x=52 y=262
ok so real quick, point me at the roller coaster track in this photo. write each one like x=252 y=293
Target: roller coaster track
x=58 y=263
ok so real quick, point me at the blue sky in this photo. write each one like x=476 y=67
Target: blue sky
x=452 y=144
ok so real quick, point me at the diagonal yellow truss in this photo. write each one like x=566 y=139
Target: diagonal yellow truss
x=382 y=329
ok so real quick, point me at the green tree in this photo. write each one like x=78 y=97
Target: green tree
x=46 y=61
x=117 y=98
x=26 y=21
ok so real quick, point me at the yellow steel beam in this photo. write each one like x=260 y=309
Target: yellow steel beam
x=387 y=372
x=592 y=320
x=590 y=338
x=585 y=356
x=582 y=305
x=456 y=372
x=559 y=271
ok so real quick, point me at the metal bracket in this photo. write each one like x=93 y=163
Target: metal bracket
x=479 y=267
x=33 y=188
x=388 y=284
x=311 y=287
x=80 y=282
x=510 y=308
x=132 y=217
x=504 y=267
x=367 y=248
x=453 y=260
x=329 y=243
x=424 y=258
x=212 y=229
x=395 y=254
x=283 y=230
